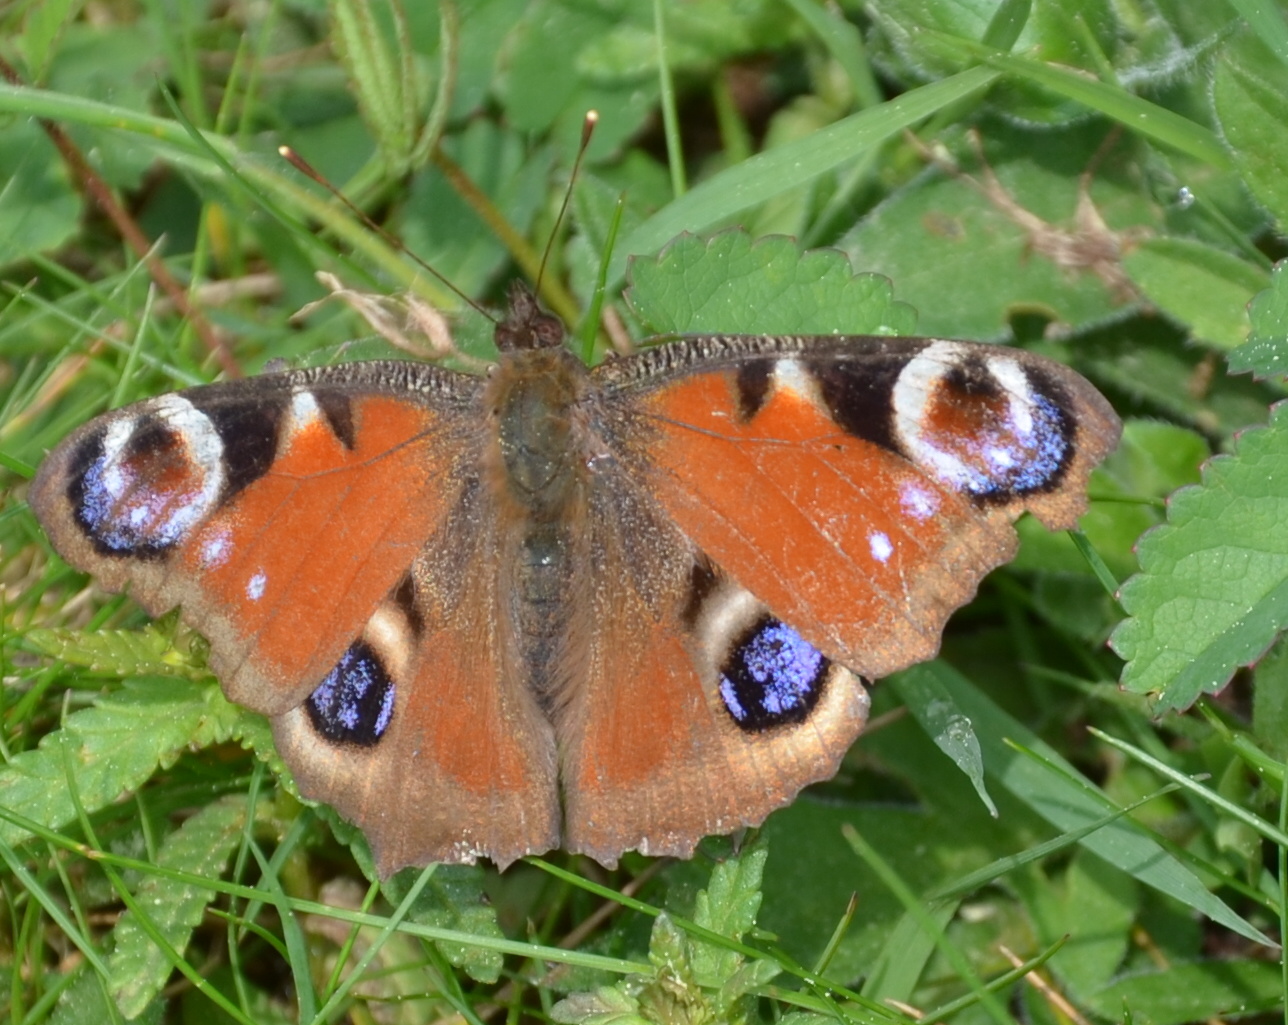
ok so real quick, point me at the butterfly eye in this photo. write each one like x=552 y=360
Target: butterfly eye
x=145 y=481
x=355 y=701
x=772 y=676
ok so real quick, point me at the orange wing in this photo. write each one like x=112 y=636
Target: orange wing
x=318 y=527
x=813 y=510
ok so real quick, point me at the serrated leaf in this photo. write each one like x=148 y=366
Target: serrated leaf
x=1212 y=593
x=201 y=846
x=731 y=284
x=728 y=906
x=112 y=749
x=117 y=653
x=1265 y=353
x=605 y=1006
x=86 y=1002
x=751 y=975
x=689 y=968
x=454 y=899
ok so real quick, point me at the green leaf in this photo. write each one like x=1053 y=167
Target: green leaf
x=608 y=1005
x=932 y=706
x=1265 y=353
x=454 y=898
x=149 y=651
x=728 y=907
x=86 y=1001
x=1270 y=704
x=734 y=285
x=773 y=172
x=697 y=979
x=1250 y=97
x=371 y=40
x=113 y=748
x=546 y=74
x=970 y=248
x=1205 y=288
x=1198 y=991
x=1066 y=799
x=1212 y=593
x=38 y=208
x=200 y=846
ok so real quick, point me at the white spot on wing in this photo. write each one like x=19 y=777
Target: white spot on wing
x=304 y=409
x=388 y=633
x=255 y=585
x=917 y=500
x=790 y=376
x=1010 y=375
x=911 y=398
x=879 y=545
x=216 y=547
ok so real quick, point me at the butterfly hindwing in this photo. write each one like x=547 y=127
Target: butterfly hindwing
x=425 y=734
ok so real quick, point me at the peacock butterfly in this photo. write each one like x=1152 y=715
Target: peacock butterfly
x=605 y=609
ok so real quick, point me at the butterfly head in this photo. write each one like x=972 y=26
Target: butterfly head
x=526 y=324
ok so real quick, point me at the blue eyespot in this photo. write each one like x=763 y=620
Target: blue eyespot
x=355 y=701
x=772 y=677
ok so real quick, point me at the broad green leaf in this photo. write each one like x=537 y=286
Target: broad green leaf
x=1250 y=96
x=1096 y=908
x=1198 y=991
x=734 y=285
x=971 y=249
x=1212 y=593
x=1265 y=353
x=698 y=33
x=38 y=208
x=545 y=79
x=1206 y=289
x=200 y=846
x=113 y=748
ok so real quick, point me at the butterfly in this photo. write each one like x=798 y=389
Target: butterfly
x=607 y=609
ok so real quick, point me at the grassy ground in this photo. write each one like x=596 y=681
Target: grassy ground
x=1018 y=837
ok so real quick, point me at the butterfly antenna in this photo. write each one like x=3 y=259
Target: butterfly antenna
x=307 y=169
x=587 y=130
